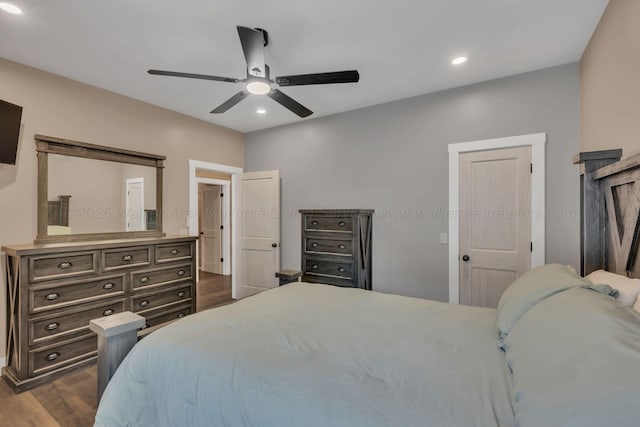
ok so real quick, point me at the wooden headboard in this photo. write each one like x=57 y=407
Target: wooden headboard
x=58 y=211
x=610 y=212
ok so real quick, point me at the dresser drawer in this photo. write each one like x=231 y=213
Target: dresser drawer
x=163 y=316
x=343 y=247
x=54 y=357
x=329 y=268
x=70 y=322
x=158 y=277
x=173 y=252
x=48 y=267
x=160 y=298
x=113 y=259
x=340 y=224
x=69 y=293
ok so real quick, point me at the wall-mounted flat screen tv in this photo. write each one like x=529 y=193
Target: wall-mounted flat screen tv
x=10 y=116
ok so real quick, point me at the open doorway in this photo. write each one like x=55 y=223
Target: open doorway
x=213 y=207
x=210 y=204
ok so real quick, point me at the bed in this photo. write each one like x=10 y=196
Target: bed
x=560 y=350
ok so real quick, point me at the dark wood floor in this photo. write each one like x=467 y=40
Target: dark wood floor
x=213 y=290
x=70 y=401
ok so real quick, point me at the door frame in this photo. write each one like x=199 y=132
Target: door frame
x=192 y=219
x=126 y=202
x=225 y=236
x=537 y=143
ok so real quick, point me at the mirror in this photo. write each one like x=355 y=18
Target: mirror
x=89 y=192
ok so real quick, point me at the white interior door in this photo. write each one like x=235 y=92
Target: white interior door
x=135 y=204
x=495 y=222
x=257 y=222
x=211 y=236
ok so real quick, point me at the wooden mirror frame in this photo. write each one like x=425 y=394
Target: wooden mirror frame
x=46 y=145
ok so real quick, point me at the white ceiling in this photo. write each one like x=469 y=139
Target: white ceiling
x=402 y=48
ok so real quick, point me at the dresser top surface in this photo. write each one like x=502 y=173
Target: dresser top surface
x=336 y=211
x=32 y=248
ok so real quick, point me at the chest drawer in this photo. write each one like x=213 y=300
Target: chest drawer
x=329 y=268
x=58 y=325
x=113 y=259
x=158 y=277
x=342 y=247
x=164 y=316
x=160 y=298
x=340 y=224
x=58 y=356
x=63 y=295
x=173 y=252
x=48 y=267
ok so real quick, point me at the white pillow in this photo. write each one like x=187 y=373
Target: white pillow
x=629 y=288
x=636 y=306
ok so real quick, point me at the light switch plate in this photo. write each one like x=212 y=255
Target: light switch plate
x=444 y=238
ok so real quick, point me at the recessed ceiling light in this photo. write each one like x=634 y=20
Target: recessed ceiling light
x=459 y=60
x=261 y=111
x=10 y=8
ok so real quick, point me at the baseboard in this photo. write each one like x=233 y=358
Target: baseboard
x=2 y=362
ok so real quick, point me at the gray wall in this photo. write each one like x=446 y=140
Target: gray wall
x=393 y=158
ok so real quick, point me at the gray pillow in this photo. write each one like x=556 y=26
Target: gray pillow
x=531 y=288
x=575 y=362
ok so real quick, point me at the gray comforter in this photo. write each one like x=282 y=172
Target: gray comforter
x=316 y=355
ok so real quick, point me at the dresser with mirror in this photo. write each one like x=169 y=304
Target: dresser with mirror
x=99 y=250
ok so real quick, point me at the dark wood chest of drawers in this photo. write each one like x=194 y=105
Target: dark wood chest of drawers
x=54 y=291
x=336 y=247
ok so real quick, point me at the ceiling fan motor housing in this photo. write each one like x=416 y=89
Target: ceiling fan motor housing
x=265 y=35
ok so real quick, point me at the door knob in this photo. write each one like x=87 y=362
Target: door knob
x=465 y=258
x=274 y=245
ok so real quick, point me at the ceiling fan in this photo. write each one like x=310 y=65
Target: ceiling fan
x=258 y=81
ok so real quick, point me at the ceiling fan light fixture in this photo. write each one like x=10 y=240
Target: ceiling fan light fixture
x=258 y=87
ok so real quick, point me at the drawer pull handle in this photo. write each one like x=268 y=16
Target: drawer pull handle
x=107 y=312
x=341 y=269
x=52 y=297
x=342 y=246
x=181 y=315
x=127 y=258
x=144 y=303
x=52 y=326
x=181 y=273
x=342 y=223
x=174 y=252
x=314 y=222
x=52 y=356
x=314 y=245
x=314 y=266
x=65 y=265
x=181 y=294
x=108 y=286
x=144 y=279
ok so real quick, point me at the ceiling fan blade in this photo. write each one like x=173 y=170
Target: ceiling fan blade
x=351 y=76
x=289 y=103
x=230 y=102
x=192 y=76
x=252 y=41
